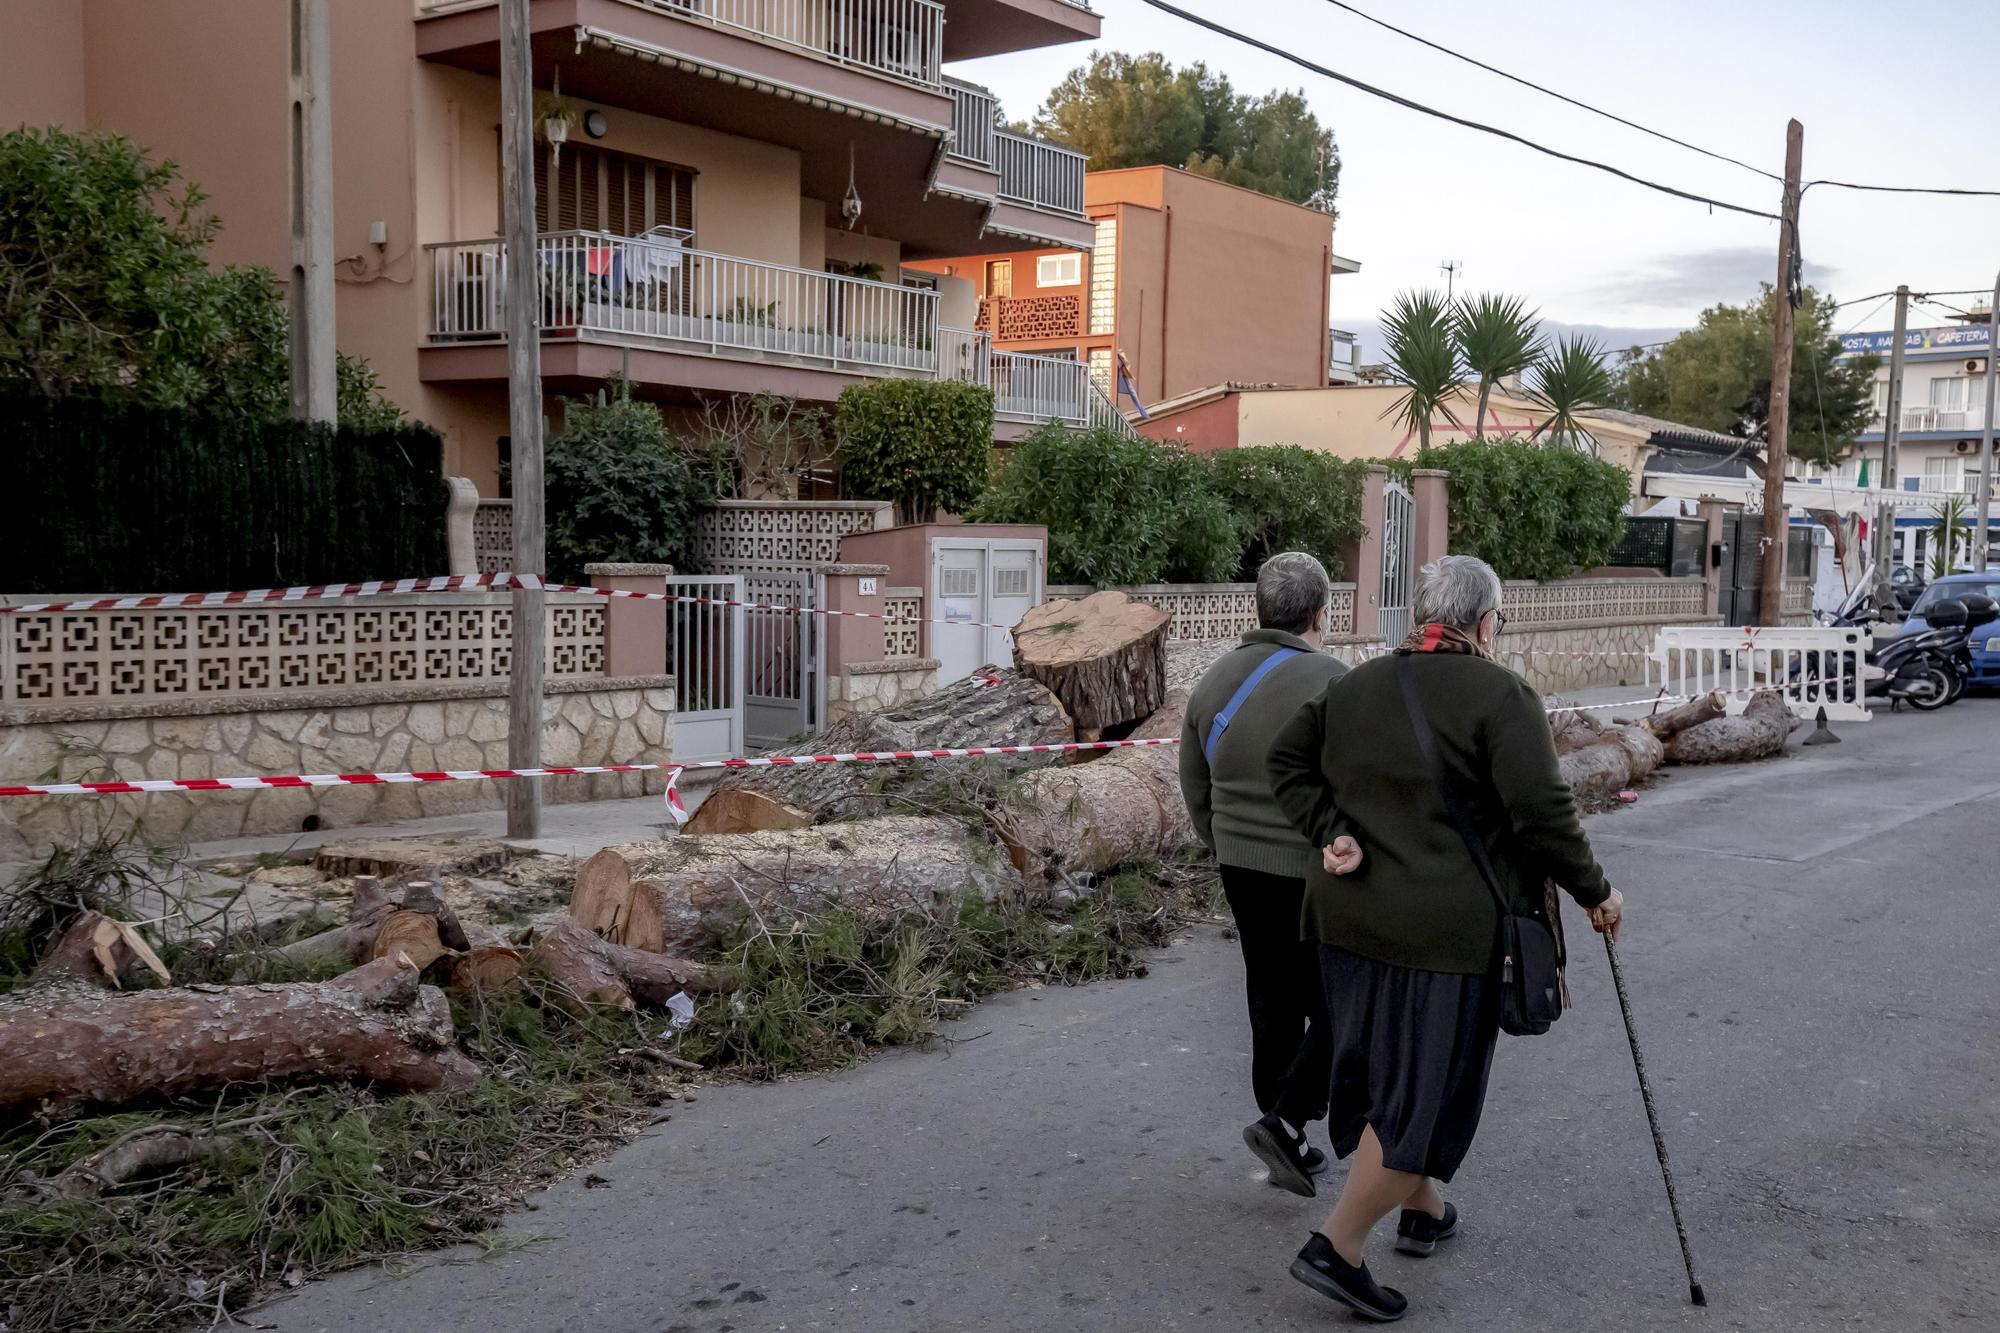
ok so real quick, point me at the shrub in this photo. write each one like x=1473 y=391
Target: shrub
x=616 y=488
x=922 y=444
x=1531 y=511
x=1289 y=499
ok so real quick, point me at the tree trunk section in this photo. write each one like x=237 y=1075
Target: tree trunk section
x=486 y=969
x=1104 y=657
x=589 y=973
x=603 y=893
x=101 y=951
x=1694 y=712
x=706 y=885
x=410 y=935
x=1758 y=733
x=374 y=901
x=67 y=1045
x=999 y=708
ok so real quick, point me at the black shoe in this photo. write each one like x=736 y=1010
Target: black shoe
x=1283 y=1151
x=1322 y=1269
x=1418 y=1232
x=1315 y=1162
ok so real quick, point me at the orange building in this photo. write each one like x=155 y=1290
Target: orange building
x=1196 y=282
x=695 y=234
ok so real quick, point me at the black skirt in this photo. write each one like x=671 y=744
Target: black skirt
x=1411 y=1052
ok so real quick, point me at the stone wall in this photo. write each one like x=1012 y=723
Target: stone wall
x=870 y=687
x=382 y=729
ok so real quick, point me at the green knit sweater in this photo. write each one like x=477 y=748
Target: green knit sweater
x=1348 y=763
x=1231 y=802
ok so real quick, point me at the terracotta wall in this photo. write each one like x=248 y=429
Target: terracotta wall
x=42 y=47
x=1203 y=428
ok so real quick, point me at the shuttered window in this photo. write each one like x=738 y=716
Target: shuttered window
x=595 y=189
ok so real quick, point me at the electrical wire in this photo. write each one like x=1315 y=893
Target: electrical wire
x=1560 y=97
x=1903 y=189
x=1409 y=104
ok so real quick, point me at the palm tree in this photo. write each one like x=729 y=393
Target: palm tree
x=1497 y=337
x=1569 y=379
x=1947 y=530
x=1422 y=356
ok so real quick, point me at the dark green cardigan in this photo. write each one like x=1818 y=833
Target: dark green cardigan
x=1348 y=763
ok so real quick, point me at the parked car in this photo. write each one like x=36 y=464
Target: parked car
x=1986 y=643
x=1906 y=585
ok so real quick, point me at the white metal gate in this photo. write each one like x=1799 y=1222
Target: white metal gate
x=705 y=656
x=1813 y=667
x=784 y=694
x=1399 y=511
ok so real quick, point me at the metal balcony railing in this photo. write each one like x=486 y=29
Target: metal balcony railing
x=974 y=116
x=1040 y=174
x=1343 y=358
x=656 y=288
x=1026 y=388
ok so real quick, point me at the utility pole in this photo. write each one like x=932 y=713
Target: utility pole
x=310 y=135
x=1892 y=431
x=1986 y=432
x=1771 y=610
x=1450 y=270
x=524 y=413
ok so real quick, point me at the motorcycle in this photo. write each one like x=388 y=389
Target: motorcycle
x=1918 y=669
x=1980 y=611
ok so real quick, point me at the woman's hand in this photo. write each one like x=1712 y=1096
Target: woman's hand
x=1607 y=916
x=1342 y=856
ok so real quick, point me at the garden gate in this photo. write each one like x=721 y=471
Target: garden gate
x=705 y=656
x=1398 y=521
x=784 y=694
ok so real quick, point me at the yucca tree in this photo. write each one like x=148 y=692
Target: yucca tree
x=1497 y=336
x=1947 y=531
x=1567 y=380
x=1422 y=356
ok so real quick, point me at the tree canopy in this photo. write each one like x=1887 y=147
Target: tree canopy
x=106 y=290
x=1135 y=111
x=1717 y=375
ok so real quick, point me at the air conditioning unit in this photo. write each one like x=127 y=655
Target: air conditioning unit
x=1975 y=366
x=1965 y=446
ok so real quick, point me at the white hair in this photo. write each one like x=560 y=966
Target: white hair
x=1456 y=590
x=1292 y=588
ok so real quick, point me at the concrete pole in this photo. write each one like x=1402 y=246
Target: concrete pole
x=1986 y=432
x=1892 y=430
x=524 y=412
x=311 y=284
x=1771 y=609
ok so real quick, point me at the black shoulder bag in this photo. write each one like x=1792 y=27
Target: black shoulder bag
x=1533 y=991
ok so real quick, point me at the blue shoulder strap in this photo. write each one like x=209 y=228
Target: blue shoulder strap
x=1237 y=700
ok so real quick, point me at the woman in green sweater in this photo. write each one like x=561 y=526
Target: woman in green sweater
x=1405 y=923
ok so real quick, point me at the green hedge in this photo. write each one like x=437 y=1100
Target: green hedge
x=115 y=497
x=1532 y=511
x=919 y=443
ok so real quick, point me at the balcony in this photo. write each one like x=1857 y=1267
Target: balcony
x=1343 y=357
x=1039 y=174
x=1011 y=319
x=1030 y=390
x=656 y=292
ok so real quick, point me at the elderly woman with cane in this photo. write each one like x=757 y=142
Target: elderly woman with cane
x=1428 y=779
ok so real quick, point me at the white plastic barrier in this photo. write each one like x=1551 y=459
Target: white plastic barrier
x=1814 y=667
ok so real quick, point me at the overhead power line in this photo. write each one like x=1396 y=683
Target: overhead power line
x=1903 y=189
x=1550 y=92
x=1432 y=111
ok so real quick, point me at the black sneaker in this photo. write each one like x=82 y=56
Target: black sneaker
x=1418 y=1232
x=1283 y=1151
x=1320 y=1267
x=1315 y=1162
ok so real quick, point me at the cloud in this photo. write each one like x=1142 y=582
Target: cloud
x=1696 y=279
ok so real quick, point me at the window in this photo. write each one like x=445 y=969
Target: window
x=1104 y=277
x=1948 y=395
x=1059 y=270
x=1000 y=277
x=595 y=189
x=923 y=282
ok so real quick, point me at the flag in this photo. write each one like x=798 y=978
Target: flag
x=1862 y=481
x=1126 y=389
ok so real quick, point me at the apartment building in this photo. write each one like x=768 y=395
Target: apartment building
x=1195 y=282
x=741 y=190
x=1943 y=407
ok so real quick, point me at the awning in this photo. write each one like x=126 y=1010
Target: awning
x=1749 y=492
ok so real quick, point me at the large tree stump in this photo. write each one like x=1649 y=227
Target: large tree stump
x=1104 y=656
x=876 y=866
x=1100 y=814
x=70 y=1045
x=996 y=707
x=1758 y=733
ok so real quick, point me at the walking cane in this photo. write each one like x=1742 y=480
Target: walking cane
x=1695 y=1292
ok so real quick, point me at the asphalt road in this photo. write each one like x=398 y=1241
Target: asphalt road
x=1811 y=945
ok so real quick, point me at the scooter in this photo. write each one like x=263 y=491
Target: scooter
x=1980 y=611
x=1915 y=669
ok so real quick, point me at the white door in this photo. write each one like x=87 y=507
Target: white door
x=980 y=586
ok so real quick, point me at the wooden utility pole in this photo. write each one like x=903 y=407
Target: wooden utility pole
x=524 y=413
x=1892 y=431
x=1771 y=608
x=309 y=134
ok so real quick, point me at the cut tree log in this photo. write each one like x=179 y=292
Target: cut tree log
x=602 y=897
x=1621 y=757
x=1104 y=656
x=1694 y=712
x=408 y=858
x=992 y=707
x=486 y=969
x=1098 y=815
x=69 y=1045
x=373 y=902
x=101 y=951
x=707 y=885
x=412 y=935
x=1758 y=733
x=587 y=972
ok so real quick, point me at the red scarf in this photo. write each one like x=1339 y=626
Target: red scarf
x=1441 y=638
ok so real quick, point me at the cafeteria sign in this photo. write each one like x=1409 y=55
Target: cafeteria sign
x=1972 y=337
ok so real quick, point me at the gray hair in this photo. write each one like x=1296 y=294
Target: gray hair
x=1456 y=590
x=1292 y=588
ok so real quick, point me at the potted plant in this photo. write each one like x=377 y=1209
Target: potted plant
x=556 y=115
x=867 y=270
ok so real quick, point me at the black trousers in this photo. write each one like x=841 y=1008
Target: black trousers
x=1291 y=1050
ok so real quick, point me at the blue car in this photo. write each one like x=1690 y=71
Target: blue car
x=1985 y=640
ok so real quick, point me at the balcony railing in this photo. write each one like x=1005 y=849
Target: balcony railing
x=1031 y=389
x=903 y=39
x=1030 y=318
x=1343 y=359
x=1040 y=174
x=657 y=289
x=973 y=118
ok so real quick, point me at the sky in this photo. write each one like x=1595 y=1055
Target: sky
x=1881 y=103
